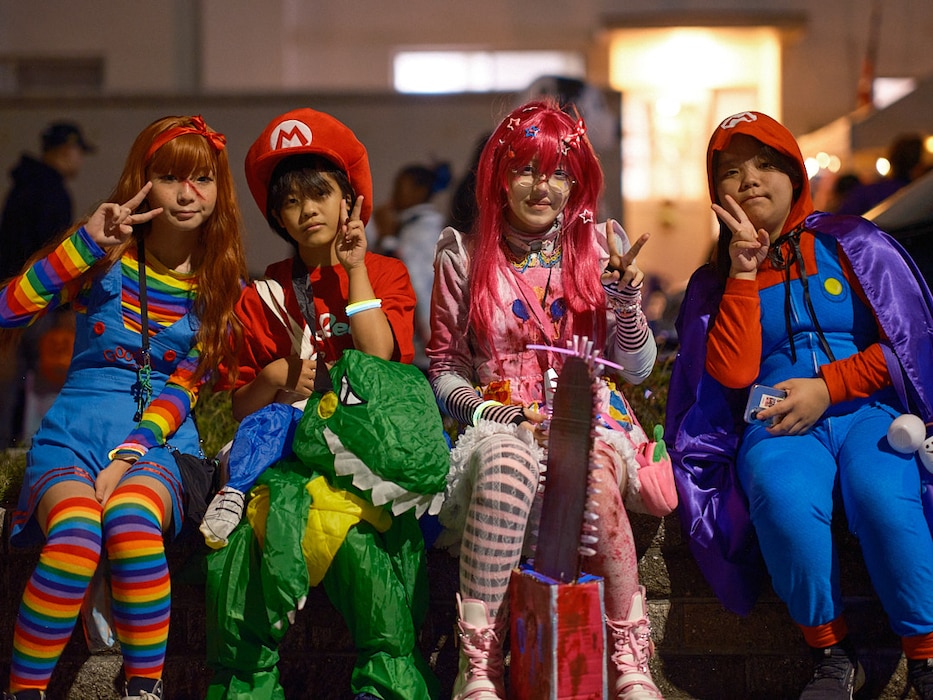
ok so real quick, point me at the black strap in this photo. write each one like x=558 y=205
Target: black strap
x=305 y=294
x=302 y=285
x=795 y=257
x=144 y=363
x=143 y=299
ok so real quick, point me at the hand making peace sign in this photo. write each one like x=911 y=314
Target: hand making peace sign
x=623 y=268
x=748 y=247
x=350 y=245
x=111 y=223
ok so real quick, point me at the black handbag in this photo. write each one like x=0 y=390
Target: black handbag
x=201 y=478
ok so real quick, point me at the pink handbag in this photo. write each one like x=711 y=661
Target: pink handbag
x=657 y=494
x=654 y=492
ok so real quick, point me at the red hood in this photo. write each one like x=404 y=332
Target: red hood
x=771 y=133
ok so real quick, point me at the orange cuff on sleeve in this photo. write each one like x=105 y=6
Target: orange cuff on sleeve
x=919 y=646
x=825 y=635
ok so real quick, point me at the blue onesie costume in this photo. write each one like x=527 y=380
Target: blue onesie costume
x=790 y=480
x=837 y=299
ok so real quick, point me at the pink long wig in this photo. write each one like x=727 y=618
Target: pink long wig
x=539 y=132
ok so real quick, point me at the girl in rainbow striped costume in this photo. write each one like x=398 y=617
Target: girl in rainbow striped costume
x=101 y=477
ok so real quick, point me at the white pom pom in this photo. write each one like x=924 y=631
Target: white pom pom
x=926 y=454
x=906 y=433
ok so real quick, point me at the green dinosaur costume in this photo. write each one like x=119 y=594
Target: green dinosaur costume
x=370 y=458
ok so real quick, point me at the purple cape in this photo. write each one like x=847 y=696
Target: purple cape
x=704 y=419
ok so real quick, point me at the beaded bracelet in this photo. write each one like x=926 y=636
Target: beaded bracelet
x=358 y=306
x=478 y=413
x=627 y=309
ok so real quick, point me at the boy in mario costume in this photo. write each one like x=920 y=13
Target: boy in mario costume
x=351 y=467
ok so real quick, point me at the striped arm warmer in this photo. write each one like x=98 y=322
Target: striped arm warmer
x=462 y=403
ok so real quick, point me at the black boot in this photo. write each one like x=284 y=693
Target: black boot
x=837 y=674
x=920 y=677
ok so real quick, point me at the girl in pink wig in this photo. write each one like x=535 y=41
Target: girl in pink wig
x=536 y=271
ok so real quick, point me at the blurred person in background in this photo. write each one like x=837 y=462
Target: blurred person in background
x=37 y=208
x=409 y=226
x=906 y=158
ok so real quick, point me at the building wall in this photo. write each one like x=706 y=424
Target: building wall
x=273 y=55
x=250 y=46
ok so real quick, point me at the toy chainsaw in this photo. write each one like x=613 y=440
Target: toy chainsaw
x=557 y=631
x=565 y=532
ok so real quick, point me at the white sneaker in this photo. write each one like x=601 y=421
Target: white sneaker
x=222 y=516
x=154 y=694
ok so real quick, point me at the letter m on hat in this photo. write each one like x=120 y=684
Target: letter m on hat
x=290 y=134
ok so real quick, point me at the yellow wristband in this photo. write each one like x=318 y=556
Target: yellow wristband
x=478 y=413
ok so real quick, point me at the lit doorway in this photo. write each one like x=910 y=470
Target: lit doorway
x=677 y=84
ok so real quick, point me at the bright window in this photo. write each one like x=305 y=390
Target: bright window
x=678 y=84
x=479 y=71
x=889 y=90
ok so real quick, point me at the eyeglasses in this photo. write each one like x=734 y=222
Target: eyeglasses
x=559 y=182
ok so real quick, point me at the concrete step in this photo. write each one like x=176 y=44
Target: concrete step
x=703 y=651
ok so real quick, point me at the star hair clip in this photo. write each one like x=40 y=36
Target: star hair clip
x=573 y=139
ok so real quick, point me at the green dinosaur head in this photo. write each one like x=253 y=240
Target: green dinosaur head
x=379 y=426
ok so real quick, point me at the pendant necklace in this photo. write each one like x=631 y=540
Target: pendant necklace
x=525 y=250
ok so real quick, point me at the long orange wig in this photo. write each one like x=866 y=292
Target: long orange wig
x=219 y=260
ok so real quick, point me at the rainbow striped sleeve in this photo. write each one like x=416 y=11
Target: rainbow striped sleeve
x=49 y=282
x=166 y=412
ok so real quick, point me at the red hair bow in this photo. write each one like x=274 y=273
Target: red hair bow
x=214 y=138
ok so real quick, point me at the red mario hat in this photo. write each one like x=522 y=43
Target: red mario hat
x=304 y=131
